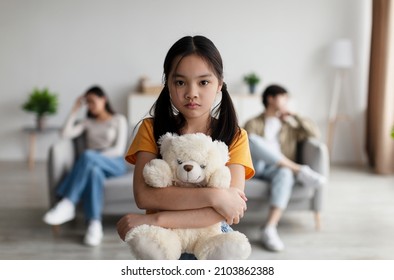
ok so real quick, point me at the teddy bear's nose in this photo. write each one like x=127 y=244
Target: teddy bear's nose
x=188 y=167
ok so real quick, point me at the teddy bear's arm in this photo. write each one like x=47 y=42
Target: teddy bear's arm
x=220 y=178
x=157 y=173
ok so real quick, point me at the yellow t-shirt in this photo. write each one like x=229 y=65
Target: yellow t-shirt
x=145 y=141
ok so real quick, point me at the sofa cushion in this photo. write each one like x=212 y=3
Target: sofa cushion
x=119 y=188
x=121 y=208
x=257 y=189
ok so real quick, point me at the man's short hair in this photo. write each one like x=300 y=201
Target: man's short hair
x=272 y=90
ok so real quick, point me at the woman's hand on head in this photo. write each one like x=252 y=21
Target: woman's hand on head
x=231 y=204
x=79 y=103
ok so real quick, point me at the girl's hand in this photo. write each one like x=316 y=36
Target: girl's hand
x=231 y=204
x=129 y=221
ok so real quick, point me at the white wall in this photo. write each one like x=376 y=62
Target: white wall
x=70 y=45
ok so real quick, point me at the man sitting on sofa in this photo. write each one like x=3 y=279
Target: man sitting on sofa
x=273 y=137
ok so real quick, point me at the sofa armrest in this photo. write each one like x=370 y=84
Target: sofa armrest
x=61 y=157
x=314 y=153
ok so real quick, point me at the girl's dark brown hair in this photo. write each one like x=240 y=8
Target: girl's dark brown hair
x=224 y=126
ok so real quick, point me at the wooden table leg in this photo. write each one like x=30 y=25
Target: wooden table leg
x=330 y=136
x=55 y=230
x=317 y=221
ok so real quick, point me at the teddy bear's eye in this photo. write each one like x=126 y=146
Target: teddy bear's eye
x=179 y=161
x=203 y=166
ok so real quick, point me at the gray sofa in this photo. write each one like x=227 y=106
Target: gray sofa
x=119 y=198
x=118 y=191
x=311 y=152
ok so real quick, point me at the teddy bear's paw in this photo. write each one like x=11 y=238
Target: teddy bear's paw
x=221 y=178
x=157 y=173
x=227 y=246
x=153 y=243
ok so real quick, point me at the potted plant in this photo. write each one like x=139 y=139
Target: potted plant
x=252 y=80
x=392 y=133
x=42 y=103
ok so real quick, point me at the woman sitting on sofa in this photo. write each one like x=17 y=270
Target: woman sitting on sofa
x=106 y=136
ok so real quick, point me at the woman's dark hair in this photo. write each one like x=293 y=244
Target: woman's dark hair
x=225 y=128
x=272 y=90
x=98 y=91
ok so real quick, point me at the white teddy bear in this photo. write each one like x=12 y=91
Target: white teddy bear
x=190 y=160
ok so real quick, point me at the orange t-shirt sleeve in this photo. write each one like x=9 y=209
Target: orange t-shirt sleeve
x=240 y=154
x=144 y=140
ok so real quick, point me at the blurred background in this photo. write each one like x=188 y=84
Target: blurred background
x=67 y=46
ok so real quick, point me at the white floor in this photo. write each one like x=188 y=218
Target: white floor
x=357 y=222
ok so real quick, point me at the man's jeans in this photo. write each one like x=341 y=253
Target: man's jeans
x=266 y=166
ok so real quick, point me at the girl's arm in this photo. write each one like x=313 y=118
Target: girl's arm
x=185 y=207
x=170 y=219
x=194 y=218
x=226 y=201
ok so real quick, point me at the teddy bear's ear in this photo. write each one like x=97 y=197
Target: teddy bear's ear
x=223 y=150
x=165 y=141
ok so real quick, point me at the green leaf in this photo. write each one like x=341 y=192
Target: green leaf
x=251 y=79
x=42 y=102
